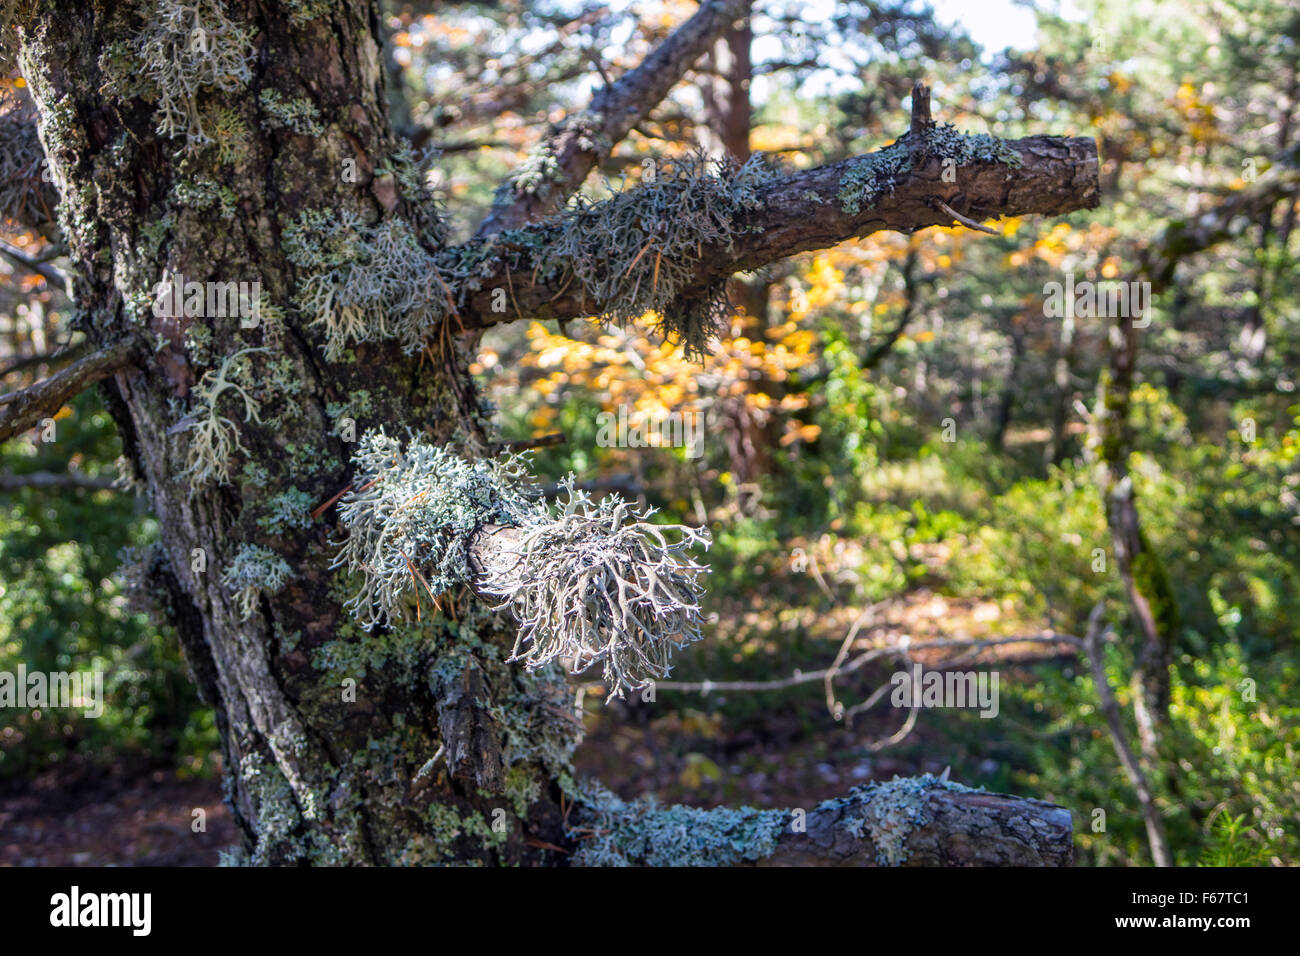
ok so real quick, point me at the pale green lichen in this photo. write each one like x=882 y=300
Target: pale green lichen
x=285 y=511
x=299 y=115
x=255 y=571
x=410 y=518
x=539 y=174
x=616 y=832
x=186 y=47
x=642 y=249
x=889 y=811
x=365 y=283
x=591 y=583
x=213 y=436
x=870 y=177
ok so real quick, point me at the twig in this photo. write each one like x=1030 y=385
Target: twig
x=49 y=479
x=25 y=408
x=541 y=441
x=808 y=677
x=964 y=220
x=52 y=275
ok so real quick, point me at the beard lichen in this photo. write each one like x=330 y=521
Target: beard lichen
x=640 y=250
x=592 y=583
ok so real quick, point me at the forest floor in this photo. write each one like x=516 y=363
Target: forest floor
x=683 y=748
x=78 y=815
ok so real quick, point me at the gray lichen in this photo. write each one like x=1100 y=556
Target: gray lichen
x=186 y=47
x=640 y=250
x=596 y=583
x=410 y=517
x=255 y=571
x=213 y=436
x=616 y=832
x=870 y=177
x=591 y=583
x=366 y=283
x=890 y=810
x=299 y=115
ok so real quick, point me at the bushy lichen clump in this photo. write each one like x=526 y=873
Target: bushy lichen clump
x=255 y=571
x=890 y=810
x=298 y=115
x=594 y=583
x=598 y=583
x=640 y=250
x=875 y=174
x=185 y=47
x=616 y=832
x=538 y=173
x=366 y=283
x=410 y=516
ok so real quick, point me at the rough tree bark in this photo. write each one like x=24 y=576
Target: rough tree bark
x=407 y=745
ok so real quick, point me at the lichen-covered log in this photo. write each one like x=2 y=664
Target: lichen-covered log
x=959 y=828
x=915 y=821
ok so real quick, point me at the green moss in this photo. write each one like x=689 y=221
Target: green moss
x=1152 y=581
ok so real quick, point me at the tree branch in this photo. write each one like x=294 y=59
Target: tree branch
x=963 y=828
x=49 y=479
x=1056 y=175
x=573 y=147
x=23 y=409
x=57 y=278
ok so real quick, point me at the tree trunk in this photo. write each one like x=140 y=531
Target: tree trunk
x=414 y=744
x=311 y=776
